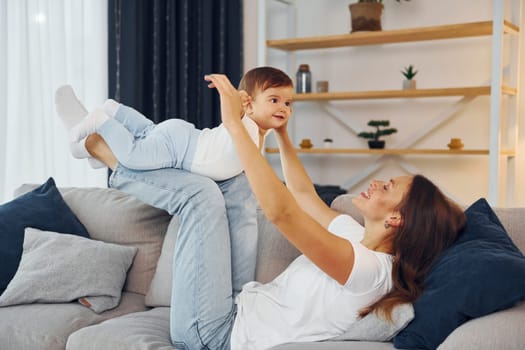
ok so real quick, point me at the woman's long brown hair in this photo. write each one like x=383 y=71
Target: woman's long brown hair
x=431 y=223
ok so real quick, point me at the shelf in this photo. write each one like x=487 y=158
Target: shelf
x=450 y=31
x=508 y=153
x=415 y=93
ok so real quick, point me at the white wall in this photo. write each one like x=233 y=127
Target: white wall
x=445 y=63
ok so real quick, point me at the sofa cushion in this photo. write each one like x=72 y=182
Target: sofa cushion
x=137 y=331
x=343 y=204
x=480 y=274
x=115 y=217
x=47 y=326
x=42 y=208
x=159 y=293
x=336 y=345
x=512 y=220
x=59 y=267
x=150 y=330
x=500 y=330
x=274 y=253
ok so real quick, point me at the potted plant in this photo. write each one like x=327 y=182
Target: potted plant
x=409 y=73
x=365 y=15
x=374 y=141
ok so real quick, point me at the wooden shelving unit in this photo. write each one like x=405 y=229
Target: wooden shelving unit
x=451 y=31
x=502 y=145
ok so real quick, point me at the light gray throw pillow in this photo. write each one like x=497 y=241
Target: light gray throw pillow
x=374 y=328
x=58 y=267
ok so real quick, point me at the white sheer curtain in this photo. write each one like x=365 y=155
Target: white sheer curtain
x=43 y=45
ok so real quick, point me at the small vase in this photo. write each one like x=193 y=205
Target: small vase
x=409 y=84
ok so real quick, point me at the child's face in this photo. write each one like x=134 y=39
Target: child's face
x=271 y=108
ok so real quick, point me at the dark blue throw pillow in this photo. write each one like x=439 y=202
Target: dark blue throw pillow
x=481 y=273
x=44 y=209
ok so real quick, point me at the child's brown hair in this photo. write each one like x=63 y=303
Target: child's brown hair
x=262 y=78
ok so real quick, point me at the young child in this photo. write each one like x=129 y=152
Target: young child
x=140 y=144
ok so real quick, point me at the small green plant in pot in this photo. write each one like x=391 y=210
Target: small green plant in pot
x=409 y=73
x=374 y=136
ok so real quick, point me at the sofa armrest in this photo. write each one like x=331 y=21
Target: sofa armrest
x=500 y=330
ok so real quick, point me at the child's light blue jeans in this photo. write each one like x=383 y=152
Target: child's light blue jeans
x=215 y=252
x=140 y=144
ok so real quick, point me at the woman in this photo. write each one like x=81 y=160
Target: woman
x=346 y=271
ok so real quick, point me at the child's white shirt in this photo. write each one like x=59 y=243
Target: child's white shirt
x=215 y=154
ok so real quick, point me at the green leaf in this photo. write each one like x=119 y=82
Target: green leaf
x=409 y=72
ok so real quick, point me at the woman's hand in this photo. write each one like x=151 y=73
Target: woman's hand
x=233 y=102
x=282 y=130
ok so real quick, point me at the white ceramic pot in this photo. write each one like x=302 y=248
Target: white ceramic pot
x=409 y=84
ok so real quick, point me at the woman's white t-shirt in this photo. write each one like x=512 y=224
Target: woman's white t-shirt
x=304 y=304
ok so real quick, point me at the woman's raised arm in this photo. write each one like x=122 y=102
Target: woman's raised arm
x=332 y=254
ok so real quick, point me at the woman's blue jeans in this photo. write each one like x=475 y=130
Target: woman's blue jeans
x=216 y=248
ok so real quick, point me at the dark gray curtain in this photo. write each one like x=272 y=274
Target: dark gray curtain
x=160 y=50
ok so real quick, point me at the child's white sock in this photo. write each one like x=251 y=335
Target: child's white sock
x=71 y=112
x=88 y=125
x=110 y=107
x=68 y=107
x=95 y=163
x=79 y=151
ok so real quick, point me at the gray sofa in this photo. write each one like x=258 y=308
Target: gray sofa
x=141 y=321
